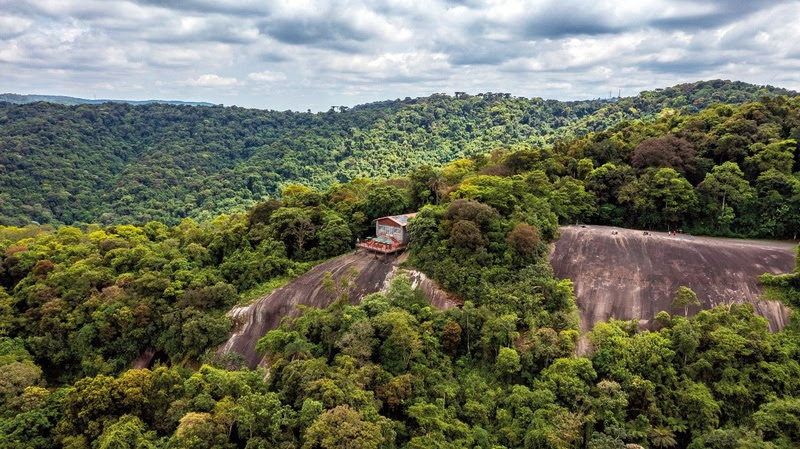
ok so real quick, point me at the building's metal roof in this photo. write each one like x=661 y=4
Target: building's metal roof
x=402 y=220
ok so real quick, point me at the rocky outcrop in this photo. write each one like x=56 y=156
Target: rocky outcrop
x=145 y=359
x=438 y=297
x=626 y=274
x=374 y=275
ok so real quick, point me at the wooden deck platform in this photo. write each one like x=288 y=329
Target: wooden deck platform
x=381 y=248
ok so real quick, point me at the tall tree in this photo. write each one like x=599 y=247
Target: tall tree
x=684 y=297
x=727 y=185
x=660 y=197
x=664 y=152
x=343 y=428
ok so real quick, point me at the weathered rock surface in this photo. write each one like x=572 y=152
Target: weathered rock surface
x=626 y=276
x=375 y=275
x=630 y=275
x=145 y=359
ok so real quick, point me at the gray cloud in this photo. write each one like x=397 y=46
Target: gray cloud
x=225 y=7
x=718 y=13
x=311 y=54
x=326 y=26
x=483 y=55
x=568 y=18
x=321 y=33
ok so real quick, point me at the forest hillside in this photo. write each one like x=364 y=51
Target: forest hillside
x=80 y=304
x=117 y=163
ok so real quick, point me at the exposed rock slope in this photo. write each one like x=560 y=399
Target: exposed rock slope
x=624 y=276
x=375 y=275
x=631 y=275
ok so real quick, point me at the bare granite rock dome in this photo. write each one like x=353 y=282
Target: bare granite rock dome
x=263 y=315
x=627 y=274
x=617 y=273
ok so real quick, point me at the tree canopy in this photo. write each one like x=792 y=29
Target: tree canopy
x=80 y=304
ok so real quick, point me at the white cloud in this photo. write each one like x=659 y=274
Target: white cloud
x=13 y=25
x=266 y=76
x=302 y=54
x=211 y=80
x=408 y=65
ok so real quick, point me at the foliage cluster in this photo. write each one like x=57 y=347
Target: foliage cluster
x=123 y=164
x=393 y=372
x=89 y=301
x=729 y=170
x=78 y=305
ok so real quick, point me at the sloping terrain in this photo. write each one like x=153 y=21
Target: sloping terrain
x=374 y=275
x=630 y=275
x=72 y=101
x=120 y=163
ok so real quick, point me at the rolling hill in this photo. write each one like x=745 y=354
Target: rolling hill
x=119 y=163
x=73 y=101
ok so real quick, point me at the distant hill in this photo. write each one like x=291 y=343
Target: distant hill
x=116 y=163
x=72 y=101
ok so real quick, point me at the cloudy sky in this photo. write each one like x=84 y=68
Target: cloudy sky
x=300 y=54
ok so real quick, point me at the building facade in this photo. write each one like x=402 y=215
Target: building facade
x=394 y=227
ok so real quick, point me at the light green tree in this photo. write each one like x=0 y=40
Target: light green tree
x=508 y=361
x=727 y=185
x=342 y=428
x=684 y=297
x=127 y=433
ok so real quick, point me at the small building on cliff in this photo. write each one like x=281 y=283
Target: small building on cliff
x=394 y=227
x=391 y=234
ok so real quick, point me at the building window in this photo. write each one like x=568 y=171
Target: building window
x=389 y=230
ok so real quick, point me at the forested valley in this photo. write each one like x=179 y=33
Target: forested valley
x=124 y=164
x=147 y=247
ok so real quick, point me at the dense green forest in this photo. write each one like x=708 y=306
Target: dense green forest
x=124 y=164
x=390 y=372
x=72 y=101
x=728 y=170
x=79 y=304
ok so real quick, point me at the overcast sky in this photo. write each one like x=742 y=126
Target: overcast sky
x=300 y=54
